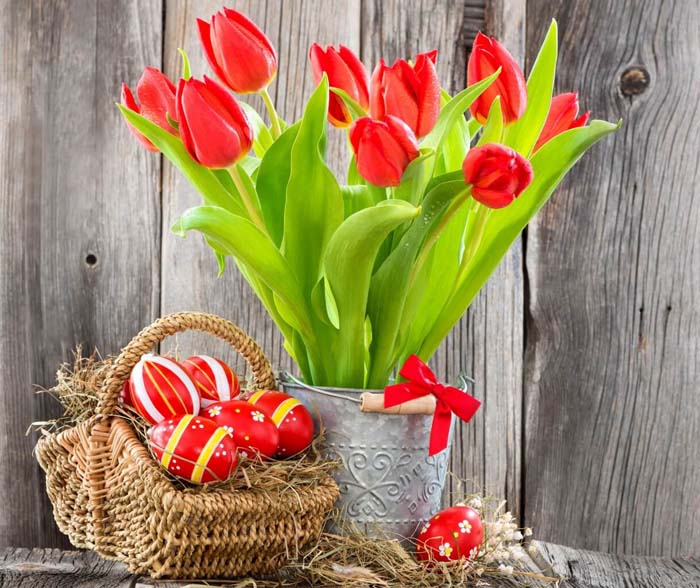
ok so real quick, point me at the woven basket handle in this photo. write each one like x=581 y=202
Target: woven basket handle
x=169 y=325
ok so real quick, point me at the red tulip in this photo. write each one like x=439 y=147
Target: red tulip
x=213 y=126
x=497 y=173
x=344 y=71
x=411 y=93
x=156 y=93
x=240 y=54
x=486 y=57
x=383 y=149
x=562 y=117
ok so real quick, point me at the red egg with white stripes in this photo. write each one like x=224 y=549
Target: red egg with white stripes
x=214 y=379
x=253 y=430
x=194 y=448
x=292 y=418
x=160 y=388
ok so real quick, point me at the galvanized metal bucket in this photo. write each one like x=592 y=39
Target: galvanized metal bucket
x=388 y=483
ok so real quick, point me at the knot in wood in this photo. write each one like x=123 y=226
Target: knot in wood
x=634 y=80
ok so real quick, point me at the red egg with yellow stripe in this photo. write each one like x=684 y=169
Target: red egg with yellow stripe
x=293 y=420
x=160 y=388
x=214 y=379
x=194 y=448
x=253 y=430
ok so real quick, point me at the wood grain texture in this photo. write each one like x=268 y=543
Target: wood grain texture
x=65 y=195
x=580 y=569
x=53 y=568
x=189 y=279
x=487 y=343
x=613 y=338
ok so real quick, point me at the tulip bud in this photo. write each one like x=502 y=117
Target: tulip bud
x=486 y=57
x=383 y=149
x=497 y=173
x=412 y=93
x=156 y=93
x=562 y=117
x=240 y=54
x=213 y=127
x=346 y=72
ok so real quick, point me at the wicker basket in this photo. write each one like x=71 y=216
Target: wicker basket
x=109 y=494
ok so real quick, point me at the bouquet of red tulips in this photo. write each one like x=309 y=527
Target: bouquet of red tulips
x=361 y=273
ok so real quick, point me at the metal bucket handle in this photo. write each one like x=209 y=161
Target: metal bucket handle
x=370 y=402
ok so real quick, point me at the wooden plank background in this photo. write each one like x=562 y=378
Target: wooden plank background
x=584 y=343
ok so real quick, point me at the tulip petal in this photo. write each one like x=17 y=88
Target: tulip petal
x=205 y=37
x=428 y=94
x=127 y=99
x=376 y=98
x=360 y=74
x=156 y=94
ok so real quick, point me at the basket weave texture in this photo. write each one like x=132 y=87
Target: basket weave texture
x=109 y=494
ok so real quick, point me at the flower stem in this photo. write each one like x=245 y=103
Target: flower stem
x=247 y=199
x=274 y=117
x=435 y=234
x=482 y=214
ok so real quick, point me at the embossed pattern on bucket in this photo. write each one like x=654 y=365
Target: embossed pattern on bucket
x=387 y=482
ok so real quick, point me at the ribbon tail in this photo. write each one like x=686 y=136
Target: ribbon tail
x=440 y=430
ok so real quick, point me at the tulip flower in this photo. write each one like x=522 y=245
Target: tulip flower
x=412 y=93
x=156 y=94
x=486 y=57
x=213 y=127
x=383 y=149
x=497 y=174
x=562 y=116
x=346 y=72
x=240 y=54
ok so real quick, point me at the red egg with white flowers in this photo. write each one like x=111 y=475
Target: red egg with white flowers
x=160 y=389
x=194 y=448
x=253 y=431
x=292 y=418
x=452 y=534
x=214 y=379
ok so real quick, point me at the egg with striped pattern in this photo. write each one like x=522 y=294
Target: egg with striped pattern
x=293 y=420
x=253 y=430
x=214 y=379
x=160 y=389
x=194 y=448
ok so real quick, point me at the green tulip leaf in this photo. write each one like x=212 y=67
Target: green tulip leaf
x=314 y=205
x=522 y=134
x=273 y=177
x=348 y=265
x=493 y=129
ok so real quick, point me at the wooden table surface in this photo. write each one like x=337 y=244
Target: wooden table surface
x=576 y=568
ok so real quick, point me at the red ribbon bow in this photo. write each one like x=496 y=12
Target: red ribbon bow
x=421 y=382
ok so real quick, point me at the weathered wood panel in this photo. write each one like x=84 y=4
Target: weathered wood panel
x=52 y=568
x=189 y=267
x=613 y=340
x=80 y=222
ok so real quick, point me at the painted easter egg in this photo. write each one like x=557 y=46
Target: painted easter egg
x=160 y=388
x=293 y=420
x=194 y=448
x=125 y=394
x=452 y=534
x=252 y=429
x=214 y=379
